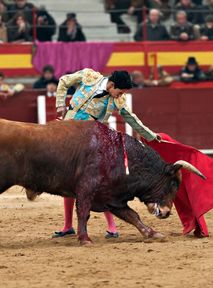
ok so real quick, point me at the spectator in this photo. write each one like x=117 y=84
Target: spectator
x=182 y=30
x=163 y=6
x=155 y=30
x=138 y=80
x=46 y=25
x=3 y=31
x=204 y=11
x=192 y=72
x=163 y=77
x=47 y=76
x=70 y=30
x=206 y=31
x=52 y=87
x=6 y=90
x=19 y=29
x=21 y=6
x=209 y=74
x=136 y=7
x=209 y=6
x=189 y=8
x=3 y=11
x=116 y=9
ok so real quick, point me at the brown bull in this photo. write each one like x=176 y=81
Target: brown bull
x=84 y=159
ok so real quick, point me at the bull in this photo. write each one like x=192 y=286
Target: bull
x=85 y=160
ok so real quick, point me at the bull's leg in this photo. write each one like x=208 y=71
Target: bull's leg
x=83 y=213
x=130 y=216
x=84 y=198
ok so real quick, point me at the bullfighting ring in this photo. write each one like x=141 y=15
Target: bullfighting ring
x=30 y=258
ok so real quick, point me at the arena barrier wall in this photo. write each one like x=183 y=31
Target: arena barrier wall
x=17 y=59
x=185 y=114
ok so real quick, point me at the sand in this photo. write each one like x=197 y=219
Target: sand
x=30 y=258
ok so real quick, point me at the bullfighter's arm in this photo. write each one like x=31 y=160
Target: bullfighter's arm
x=65 y=82
x=134 y=121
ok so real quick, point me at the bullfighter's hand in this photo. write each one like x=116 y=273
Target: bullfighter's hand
x=61 y=112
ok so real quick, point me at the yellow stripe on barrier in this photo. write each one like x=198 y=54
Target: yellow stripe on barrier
x=163 y=58
x=180 y=58
x=126 y=59
x=14 y=61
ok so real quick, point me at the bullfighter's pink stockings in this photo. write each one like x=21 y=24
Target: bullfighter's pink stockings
x=68 y=213
x=68 y=216
x=110 y=222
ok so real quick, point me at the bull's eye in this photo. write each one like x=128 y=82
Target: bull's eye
x=174 y=184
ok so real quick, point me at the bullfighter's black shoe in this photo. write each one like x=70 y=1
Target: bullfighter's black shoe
x=109 y=235
x=62 y=234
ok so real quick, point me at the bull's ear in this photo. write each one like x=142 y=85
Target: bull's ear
x=172 y=169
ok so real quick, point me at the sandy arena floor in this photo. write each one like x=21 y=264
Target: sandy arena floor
x=30 y=258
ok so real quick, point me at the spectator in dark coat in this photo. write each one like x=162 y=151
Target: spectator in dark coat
x=182 y=30
x=47 y=76
x=51 y=88
x=19 y=29
x=3 y=11
x=206 y=31
x=23 y=7
x=46 y=26
x=70 y=30
x=163 y=6
x=189 y=8
x=3 y=30
x=155 y=30
x=204 y=11
x=209 y=74
x=192 y=72
x=116 y=9
x=136 y=7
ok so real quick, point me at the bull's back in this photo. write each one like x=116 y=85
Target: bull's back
x=46 y=157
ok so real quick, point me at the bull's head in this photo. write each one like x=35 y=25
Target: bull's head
x=170 y=185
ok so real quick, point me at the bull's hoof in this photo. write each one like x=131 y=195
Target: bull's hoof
x=31 y=195
x=86 y=243
x=155 y=236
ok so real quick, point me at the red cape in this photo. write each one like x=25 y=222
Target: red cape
x=195 y=196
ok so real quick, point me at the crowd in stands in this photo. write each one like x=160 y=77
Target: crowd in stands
x=192 y=19
x=18 y=19
x=181 y=30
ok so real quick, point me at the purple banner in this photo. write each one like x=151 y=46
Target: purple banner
x=71 y=57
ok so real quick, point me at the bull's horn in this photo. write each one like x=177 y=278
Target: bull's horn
x=186 y=165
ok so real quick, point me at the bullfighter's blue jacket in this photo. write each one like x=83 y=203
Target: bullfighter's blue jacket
x=86 y=107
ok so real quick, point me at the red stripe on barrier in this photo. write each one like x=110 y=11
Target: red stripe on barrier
x=164 y=46
x=20 y=72
x=16 y=48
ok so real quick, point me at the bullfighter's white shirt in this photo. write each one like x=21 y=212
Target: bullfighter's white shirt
x=102 y=86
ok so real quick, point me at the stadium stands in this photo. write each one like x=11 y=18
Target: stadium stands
x=90 y=14
x=106 y=20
